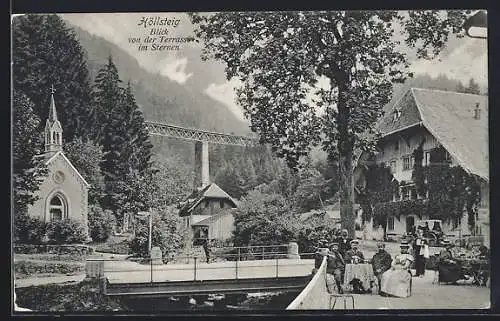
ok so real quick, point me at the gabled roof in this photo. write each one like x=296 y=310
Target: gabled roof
x=209 y=220
x=410 y=115
x=211 y=191
x=61 y=154
x=448 y=116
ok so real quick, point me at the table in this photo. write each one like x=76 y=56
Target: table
x=361 y=271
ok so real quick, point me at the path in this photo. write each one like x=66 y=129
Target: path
x=426 y=295
x=35 y=281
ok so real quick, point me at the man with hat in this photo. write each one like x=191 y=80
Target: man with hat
x=449 y=269
x=336 y=265
x=354 y=255
x=381 y=261
x=321 y=251
x=344 y=242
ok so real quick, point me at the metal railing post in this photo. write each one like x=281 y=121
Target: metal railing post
x=236 y=269
x=276 y=267
x=239 y=253
x=195 y=259
x=151 y=269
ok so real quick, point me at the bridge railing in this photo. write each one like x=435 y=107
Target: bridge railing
x=196 y=269
x=254 y=252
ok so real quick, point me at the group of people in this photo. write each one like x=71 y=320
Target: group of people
x=393 y=275
x=342 y=251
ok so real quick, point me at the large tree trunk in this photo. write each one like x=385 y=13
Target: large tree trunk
x=345 y=146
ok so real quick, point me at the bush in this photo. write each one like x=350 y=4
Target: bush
x=29 y=230
x=28 y=268
x=101 y=223
x=66 y=231
x=122 y=247
x=264 y=219
x=165 y=234
x=77 y=250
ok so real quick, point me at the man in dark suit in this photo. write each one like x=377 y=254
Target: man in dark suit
x=381 y=262
x=344 y=242
x=336 y=265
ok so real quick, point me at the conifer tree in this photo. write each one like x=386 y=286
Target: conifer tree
x=28 y=170
x=45 y=52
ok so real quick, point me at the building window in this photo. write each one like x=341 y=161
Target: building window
x=390 y=223
x=426 y=160
x=406 y=163
x=396 y=114
x=396 y=145
x=408 y=192
x=221 y=202
x=57 y=208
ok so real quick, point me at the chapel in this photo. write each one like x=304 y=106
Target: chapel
x=64 y=192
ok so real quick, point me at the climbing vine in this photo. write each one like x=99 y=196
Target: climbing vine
x=444 y=191
x=379 y=189
x=450 y=188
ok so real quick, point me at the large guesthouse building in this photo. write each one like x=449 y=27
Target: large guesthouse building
x=455 y=121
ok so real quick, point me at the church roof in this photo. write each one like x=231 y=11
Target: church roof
x=211 y=191
x=61 y=154
x=448 y=116
x=52 y=110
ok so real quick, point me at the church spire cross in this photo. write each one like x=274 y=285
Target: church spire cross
x=52 y=89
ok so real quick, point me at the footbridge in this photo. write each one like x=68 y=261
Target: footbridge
x=264 y=271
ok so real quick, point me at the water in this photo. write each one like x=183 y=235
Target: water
x=239 y=302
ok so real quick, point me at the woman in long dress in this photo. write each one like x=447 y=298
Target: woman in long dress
x=397 y=280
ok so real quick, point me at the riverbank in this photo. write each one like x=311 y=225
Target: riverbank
x=85 y=297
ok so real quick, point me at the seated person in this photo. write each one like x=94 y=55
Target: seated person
x=354 y=255
x=449 y=269
x=397 y=280
x=321 y=251
x=344 y=242
x=484 y=253
x=336 y=265
x=381 y=262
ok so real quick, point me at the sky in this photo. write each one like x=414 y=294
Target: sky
x=465 y=58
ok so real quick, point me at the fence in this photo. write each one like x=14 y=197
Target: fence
x=315 y=295
x=255 y=252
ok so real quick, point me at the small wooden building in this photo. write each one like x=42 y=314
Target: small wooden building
x=208 y=213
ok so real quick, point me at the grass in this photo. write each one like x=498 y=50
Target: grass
x=116 y=244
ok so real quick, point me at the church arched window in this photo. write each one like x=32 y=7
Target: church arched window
x=57 y=208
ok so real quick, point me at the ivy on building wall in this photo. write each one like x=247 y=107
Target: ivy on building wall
x=380 y=188
x=444 y=191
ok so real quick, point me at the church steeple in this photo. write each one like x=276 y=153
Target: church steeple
x=53 y=128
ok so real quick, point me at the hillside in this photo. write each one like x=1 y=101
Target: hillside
x=162 y=99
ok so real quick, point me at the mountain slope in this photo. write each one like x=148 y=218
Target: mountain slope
x=160 y=98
